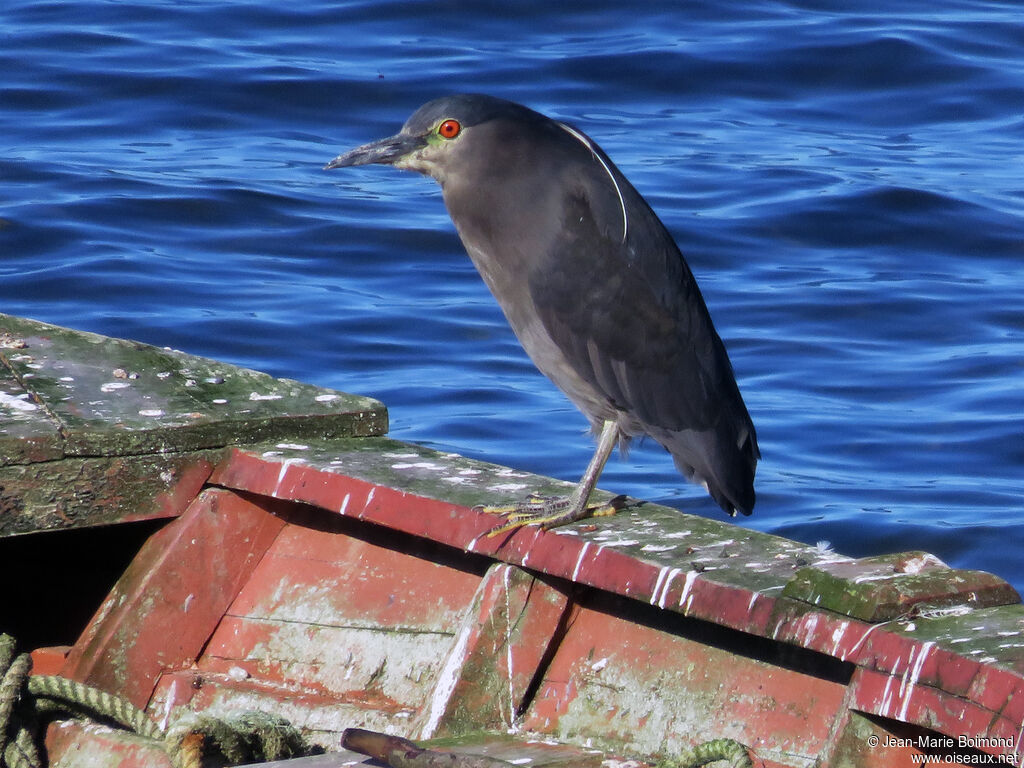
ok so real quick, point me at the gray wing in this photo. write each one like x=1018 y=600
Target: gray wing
x=630 y=319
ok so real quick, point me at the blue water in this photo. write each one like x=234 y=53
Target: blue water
x=848 y=187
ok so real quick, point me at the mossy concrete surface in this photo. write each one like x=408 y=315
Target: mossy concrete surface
x=886 y=587
x=96 y=430
x=91 y=395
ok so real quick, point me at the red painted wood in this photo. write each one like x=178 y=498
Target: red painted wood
x=341 y=579
x=861 y=742
x=431 y=518
x=497 y=653
x=330 y=630
x=899 y=699
x=182 y=492
x=707 y=595
x=49 y=660
x=886 y=587
x=169 y=600
x=101 y=747
x=619 y=682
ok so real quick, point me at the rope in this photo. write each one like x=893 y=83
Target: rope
x=198 y=740
x=252 y=737
x=709 y=752
x=192 y=742
x=85 y=701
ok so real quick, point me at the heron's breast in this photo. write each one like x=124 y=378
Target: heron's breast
x=512 y=293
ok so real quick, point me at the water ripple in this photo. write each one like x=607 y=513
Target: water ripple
x=845 y=184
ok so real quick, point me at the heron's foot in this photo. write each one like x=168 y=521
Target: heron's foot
x=548 y=512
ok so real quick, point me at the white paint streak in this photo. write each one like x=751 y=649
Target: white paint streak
x=837 y=636
x=344 y=503
x=859 y=643
x=508 y=647
x=446 y=682
x=665 y=587
x=172 y=692
x=687 y=596
x=658 y=547
x=876 y=577
x=622 y=543
x=886 y=697
x=906 y=672
x=579 y=561
x=810 y=624
x=284 y=470
x=662 y=573
x=258 y=396
x=915 y=674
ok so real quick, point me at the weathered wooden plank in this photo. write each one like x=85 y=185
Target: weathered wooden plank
x=168 y=602
x=335 y=626
x=116 y=397
x=27 y=433
x=621 y=684
x=518 y=751
x=506 y=633
x=315 y=576
x=691 y=566
x=321 y=715
x=863 y=742
x=368 y=478
x=888 y=586
x=360 y=632
x=80 y=744
x=957 y=722
x=75 y=492
x=342 y=614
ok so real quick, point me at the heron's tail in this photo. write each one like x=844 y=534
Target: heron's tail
x=721 y=460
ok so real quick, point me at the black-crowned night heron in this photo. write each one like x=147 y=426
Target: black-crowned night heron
x=592 y=284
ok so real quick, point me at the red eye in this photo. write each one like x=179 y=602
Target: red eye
x=449 y=129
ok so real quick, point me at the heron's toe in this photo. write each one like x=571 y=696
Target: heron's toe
x=549 y=512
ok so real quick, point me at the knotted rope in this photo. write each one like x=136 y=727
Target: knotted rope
x=195 y=740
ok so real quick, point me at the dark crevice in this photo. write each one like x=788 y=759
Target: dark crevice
x=54 y=581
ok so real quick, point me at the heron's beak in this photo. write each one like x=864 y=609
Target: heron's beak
x=385 y=151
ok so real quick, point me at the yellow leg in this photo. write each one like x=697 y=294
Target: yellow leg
x=552 y=512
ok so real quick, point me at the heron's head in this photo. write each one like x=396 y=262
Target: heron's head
x=447 y=136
